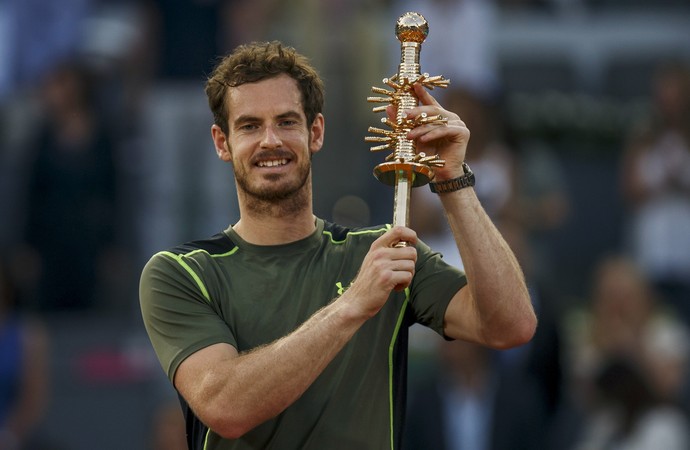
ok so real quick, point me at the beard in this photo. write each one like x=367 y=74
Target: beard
x=285 y=196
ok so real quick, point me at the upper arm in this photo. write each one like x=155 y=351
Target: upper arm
x=435 y=284
x=500 y=324
x=197 y=371
x=461 y=320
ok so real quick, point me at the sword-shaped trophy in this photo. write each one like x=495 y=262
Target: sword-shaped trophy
x=405 y=168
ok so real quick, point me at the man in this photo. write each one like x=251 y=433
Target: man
x=289 y=332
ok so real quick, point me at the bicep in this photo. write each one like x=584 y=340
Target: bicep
x=200 y=375
x=200 y=379
x=461 y=320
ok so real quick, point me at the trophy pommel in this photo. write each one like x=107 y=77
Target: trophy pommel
x=412 y=27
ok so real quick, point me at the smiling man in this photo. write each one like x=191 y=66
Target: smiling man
x=286 y=331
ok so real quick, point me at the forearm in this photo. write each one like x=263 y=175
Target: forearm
x=498 y=297
x=249 y=389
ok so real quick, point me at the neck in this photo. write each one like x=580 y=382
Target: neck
x=267 y=223
x=272 y=231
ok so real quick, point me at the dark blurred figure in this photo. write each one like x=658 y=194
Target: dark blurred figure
x=623 y=321
x=629 y=416
x=72 y=195
x=191 y=33
x=539 y=359
x=656 y=177
x=23 y=371
x=470 y=404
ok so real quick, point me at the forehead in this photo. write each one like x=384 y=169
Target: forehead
x=271 y=96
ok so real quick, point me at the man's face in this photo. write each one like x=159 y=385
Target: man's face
x=269 y=140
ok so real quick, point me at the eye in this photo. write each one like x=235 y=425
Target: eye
x=248 y=127
x=288 y=123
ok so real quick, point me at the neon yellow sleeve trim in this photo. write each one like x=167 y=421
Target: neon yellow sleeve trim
x=180 y=260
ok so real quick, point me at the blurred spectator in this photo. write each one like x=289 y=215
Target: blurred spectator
x=469 y=404
x=540 y=359
x=656 y=175
x=541 y=204
x=624 y=321
x=190 y=34
x=23 y=371
x=629 y=416
x=40 y=35
x=487 y=152
x=72 y=195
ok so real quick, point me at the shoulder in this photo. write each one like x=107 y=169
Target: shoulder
x=191 y=262
x=219 y=244
x=215 y=246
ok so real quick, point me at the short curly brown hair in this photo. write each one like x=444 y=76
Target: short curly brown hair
x=255 y=62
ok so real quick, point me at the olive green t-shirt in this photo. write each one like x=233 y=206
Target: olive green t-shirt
x=225 y=290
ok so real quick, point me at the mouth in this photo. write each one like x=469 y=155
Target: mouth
x=275 y=159
x=273 y=162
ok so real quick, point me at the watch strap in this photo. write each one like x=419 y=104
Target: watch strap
x=455 y=184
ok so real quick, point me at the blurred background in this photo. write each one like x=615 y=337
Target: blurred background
x=580 y=120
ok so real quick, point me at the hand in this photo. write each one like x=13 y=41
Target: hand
x=448 y=140
x=385 y=268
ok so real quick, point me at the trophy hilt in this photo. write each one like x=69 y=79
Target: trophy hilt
x=404 y=167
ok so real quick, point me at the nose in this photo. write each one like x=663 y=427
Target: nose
x=270 y=138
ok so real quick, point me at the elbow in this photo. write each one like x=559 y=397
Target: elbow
x=227 y=421
x=227 y=432
x=518 y=332
x=523 y=332
x=519 y=335
x=228 y=427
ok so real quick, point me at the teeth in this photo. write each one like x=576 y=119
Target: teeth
x=273 y=163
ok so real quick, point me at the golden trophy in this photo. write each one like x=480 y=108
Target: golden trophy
x=405 y=168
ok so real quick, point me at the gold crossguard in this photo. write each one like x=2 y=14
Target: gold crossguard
x=404 y=168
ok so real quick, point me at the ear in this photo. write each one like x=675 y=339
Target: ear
x=220 y=141
x=317 y=133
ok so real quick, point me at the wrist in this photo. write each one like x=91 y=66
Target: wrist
x=466 y=179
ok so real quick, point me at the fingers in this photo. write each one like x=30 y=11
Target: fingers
x=427 y=104
x=385 y=268
x=401 y=260
x=425 y=98
x=395 y=235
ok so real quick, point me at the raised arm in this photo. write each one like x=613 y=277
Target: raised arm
x=232 y=393
x=494 y=308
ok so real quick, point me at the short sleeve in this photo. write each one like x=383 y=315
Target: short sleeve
x=179 y=317
x=434 y=285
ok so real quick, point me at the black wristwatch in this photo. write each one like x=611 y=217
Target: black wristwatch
x=455 y=184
